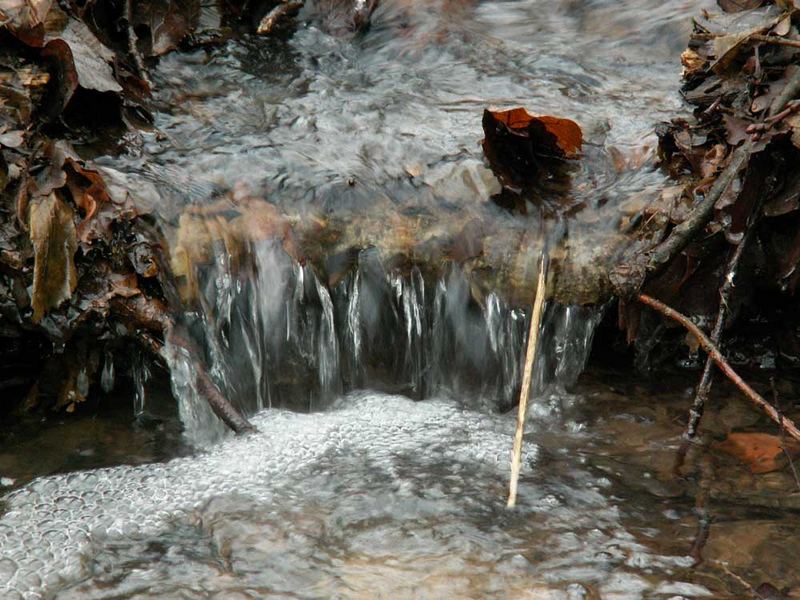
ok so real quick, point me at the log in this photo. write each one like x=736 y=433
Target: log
x=499 y=257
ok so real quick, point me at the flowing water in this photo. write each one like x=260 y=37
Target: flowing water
x=352 y=493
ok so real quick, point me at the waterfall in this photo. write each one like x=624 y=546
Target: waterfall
x=281 y=337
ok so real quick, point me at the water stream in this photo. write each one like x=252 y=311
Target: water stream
x=397 y=490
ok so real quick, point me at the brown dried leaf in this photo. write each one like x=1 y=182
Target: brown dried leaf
x=794 y=124
x=783 y=28
x=692 y=62
x=25 y=19
x=55 y=242
x=726 y=47
x=736 y=128
x=518 y=144
x=90 y=194
x=759 y=451
x=81 y=60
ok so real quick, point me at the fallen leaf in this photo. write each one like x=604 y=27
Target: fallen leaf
x=12 y=139
x=794 y=124
x=25 y=19
x=519 y=145
x=54 y=239
x=726 y=47
x=739 y=5
x=759 y=451
x=692 y=62
x=787 y=200
x=91 y=196
x=736 y=129
x=783 y=28
x=164 y=24
x=80 y=60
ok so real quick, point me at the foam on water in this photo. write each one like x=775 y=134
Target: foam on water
x=50 y=525
x=374 y=458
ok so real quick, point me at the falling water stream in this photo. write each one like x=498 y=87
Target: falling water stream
x=381 y=395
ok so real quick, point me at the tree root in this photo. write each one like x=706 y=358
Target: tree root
x=786 y=424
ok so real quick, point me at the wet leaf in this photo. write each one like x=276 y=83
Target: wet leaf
x=54 y=239
x=759 y=451
x=726 y=48
x=81 y=60
x=774 y=88
x=26 y=19
x=739 y=5
x=91 y=196
x=522 y=147
x=788 y=200
x=162 y=26
x=736 y=129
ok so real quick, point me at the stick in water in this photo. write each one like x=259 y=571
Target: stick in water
x=530 y=357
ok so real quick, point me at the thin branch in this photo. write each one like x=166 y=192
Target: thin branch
x=206 y=388
x=789 y=93
x=774 y=39
x=684 y=233
x=722 y=364
x=725 y=292
x=788 y=454
x=132 y=49
x=530 y=357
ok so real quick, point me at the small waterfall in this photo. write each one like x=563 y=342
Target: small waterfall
x=279 y=337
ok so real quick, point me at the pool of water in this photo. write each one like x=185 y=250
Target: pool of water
x=383 y=496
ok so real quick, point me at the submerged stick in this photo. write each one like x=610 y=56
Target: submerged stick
x=725 y=293
x=530 y=357
x=787 y=424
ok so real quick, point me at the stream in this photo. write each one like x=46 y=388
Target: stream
x=382 y=396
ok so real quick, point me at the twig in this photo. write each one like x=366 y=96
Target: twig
x=738 y=579
x=530 y=357
x=722 y=364
x=206 y=388
x=775 y=399
x=282 y=12
x=789 y=93
x=682 y=234
x=774 y=39
x=725 y=291
x=132 y=49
